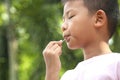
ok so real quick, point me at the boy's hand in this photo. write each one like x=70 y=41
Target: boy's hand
x=51 y=56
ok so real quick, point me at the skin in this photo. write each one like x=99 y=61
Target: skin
x=81 y=30
x=51 y=56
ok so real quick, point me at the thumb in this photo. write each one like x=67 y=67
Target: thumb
x=60 y=42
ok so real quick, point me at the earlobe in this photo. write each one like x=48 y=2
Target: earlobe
x=100 y=18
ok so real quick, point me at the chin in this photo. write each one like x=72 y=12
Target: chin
x=72 y=47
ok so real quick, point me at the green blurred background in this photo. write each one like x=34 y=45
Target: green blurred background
x=26 y=27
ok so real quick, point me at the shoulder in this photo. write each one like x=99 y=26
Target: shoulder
x=114 y=57
x=108 y=61
x=103 y=65
x=106 y=58
x=111 y=57
x=117 y=57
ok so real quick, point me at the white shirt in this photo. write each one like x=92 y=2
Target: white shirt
x=104 y=67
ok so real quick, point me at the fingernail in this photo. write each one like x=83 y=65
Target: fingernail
x=61 y=40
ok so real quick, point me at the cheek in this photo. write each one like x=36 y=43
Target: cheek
x=78 y=27
x=75 y=37
x=80 y=31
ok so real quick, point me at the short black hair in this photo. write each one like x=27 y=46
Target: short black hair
x=110 y=7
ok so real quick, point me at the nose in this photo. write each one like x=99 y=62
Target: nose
x=64 y=26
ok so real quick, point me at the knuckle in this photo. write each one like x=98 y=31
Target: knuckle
x=48 y=52
x=51 y=42
x=44 y=51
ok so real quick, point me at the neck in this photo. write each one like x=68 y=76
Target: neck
x=96 y=49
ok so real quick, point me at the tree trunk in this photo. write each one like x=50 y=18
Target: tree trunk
x=12 y=50
x=12 y=44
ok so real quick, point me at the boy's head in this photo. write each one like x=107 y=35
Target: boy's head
x=110 y=7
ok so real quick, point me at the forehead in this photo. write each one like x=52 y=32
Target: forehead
x=73 y=4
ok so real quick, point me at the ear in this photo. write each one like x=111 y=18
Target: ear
x=100 y=18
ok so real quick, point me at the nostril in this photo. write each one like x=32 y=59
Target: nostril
x=64 y=27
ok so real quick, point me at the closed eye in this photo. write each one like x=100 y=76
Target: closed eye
x=71 y=17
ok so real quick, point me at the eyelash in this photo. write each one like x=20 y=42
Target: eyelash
x=71 y=17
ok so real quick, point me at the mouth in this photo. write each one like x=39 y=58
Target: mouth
x=67 y=38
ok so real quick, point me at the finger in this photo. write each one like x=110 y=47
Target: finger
x=50 y=44
x=60 y=43
x=54 y=47
x=51 y=47
x=54 y=42
x=58 y=50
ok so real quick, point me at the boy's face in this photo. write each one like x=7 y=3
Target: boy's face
x=77 y=27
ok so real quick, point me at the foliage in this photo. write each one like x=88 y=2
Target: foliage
x=36 y=22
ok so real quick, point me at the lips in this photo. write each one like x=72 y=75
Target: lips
x=67 y=38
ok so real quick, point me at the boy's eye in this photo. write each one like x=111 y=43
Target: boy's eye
x=71 y=17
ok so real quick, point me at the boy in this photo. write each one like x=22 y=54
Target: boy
x=88 y=24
